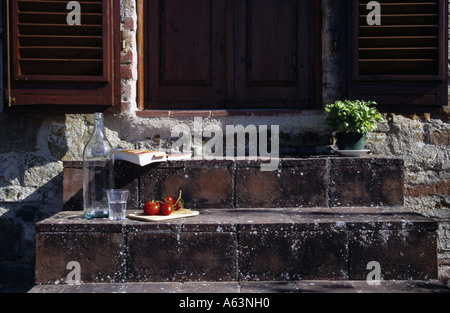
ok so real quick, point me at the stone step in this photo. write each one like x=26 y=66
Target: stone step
x=429 y=286
x=298 y=182
x=244 y=244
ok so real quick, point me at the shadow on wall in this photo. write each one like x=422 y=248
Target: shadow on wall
x=30 y=190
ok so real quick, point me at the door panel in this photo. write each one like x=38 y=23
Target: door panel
x=271 y=53
x=186 y=43
x=186 y=59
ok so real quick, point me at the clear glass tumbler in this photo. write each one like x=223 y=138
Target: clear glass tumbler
x=117 y=203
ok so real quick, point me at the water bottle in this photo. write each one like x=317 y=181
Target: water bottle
x=98 y=171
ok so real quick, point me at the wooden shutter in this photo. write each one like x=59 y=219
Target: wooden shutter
x=185 y=53
x=275 y=54
x=62 y=67
x=401 y=64
x=239 y=54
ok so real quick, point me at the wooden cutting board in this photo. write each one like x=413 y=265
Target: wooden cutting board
x=182 y=213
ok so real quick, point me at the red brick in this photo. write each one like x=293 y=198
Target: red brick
x=129 y=23
x=128 y=72
x=153 y=113
x=126 y=57
x=441 y=187
x=195 y=113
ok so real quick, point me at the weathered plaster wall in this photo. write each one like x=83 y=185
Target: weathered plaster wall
x=33 y=146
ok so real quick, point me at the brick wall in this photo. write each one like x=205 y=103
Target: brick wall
x=128 y=56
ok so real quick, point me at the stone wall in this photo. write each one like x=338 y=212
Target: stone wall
x=424 y=144
x=33 y=147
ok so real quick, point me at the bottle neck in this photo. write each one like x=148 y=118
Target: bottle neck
x=98 y=125
x=98 y=147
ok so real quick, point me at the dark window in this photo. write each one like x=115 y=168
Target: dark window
x=402 y=63
x=217 y=54
x=62 y=67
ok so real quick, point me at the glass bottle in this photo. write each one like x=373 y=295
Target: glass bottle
x=98 y=171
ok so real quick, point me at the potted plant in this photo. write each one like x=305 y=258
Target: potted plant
x=351 y=120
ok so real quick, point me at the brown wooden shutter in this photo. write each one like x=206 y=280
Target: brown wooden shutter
x=241 y=54
x=274 y=54
x=62 y=67
x=401 y=64
x=185 y=53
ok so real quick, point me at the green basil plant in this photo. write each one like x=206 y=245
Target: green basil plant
x=353 y=116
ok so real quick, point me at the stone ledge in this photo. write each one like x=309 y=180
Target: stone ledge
x=240 y=245
x=309 y=182
x=224 y=113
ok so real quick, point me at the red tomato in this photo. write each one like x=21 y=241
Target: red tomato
x=166 y=209
x=170 y=200
x=178 y=205
x=151 y=208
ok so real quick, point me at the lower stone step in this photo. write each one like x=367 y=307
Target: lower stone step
x=304 y=286
x=240 y=245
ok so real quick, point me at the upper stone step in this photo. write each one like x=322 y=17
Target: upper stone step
x=298 y=182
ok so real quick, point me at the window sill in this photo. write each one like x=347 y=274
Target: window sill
x=225 y=113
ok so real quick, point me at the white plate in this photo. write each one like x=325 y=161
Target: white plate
x=352 y=153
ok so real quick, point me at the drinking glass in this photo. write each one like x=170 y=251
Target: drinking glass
x=117 y=203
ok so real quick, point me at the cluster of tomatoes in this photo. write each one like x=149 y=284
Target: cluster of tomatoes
x=165 y=207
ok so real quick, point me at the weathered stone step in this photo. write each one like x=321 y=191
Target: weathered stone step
x=240 y=245
x=298 y=182
x=429 y=286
